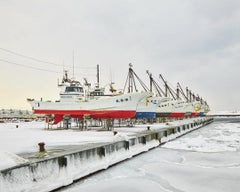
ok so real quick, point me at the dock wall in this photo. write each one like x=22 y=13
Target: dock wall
x=54 y=172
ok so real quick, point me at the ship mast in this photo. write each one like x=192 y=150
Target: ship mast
x=132 y=86
x=97 y=86
x=167 y=88
x=154 y=84
x=179 y=89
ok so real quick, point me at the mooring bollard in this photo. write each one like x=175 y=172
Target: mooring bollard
x=41 y=147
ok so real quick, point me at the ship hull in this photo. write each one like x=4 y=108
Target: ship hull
x=201 y=114
x=145 y=110
x=171 y=114
x=118 y=114
x=167 y=114
x=116 y=107
x=171 y=109
x=193 y=114
x=177 y=114
x=145 y=115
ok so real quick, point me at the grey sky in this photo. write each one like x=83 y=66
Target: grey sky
x=196 y=43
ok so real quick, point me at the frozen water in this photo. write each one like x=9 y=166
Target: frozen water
x=214 y=138
x=206 y=160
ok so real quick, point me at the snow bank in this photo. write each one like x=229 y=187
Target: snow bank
x=8 y=160
x=56 y=172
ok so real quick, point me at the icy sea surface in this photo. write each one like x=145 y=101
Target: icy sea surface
x=206 y=160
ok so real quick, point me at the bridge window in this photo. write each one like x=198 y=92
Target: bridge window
x=74 y=89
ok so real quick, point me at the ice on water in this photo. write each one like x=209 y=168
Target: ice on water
x=214 y=138
x=206 y=160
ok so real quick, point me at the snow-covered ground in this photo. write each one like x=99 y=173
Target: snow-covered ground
x=23 y=137
x=26 y=137
x=206 y=160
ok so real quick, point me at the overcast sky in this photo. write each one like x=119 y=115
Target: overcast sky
x=196 y=43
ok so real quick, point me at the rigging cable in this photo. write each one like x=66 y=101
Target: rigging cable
x=40 y=69
x=40 y=60
x=30 y=67
x=28 y=57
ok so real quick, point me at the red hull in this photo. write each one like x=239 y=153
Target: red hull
x=177 y=115
x=105 y=114
x=193 y=114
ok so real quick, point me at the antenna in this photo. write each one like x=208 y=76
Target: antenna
x=73 y=65
x=97 y=76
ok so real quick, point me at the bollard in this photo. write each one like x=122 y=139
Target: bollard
x=115 y=132
x=148 y=128
x=16 y=126
x=41 y=147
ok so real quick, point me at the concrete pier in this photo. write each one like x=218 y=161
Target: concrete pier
x=73 y=163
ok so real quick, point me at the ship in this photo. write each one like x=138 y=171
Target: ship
x=170 y=104
x=76 y=101
x=82 y=101
x=145 y=109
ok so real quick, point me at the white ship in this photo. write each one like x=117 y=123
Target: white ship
x=75 y=102
x=174 y=106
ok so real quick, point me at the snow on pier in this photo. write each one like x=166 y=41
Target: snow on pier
x=71 y=154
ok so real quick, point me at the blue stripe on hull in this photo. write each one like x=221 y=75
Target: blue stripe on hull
x=201 y=114
x=148 y=115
